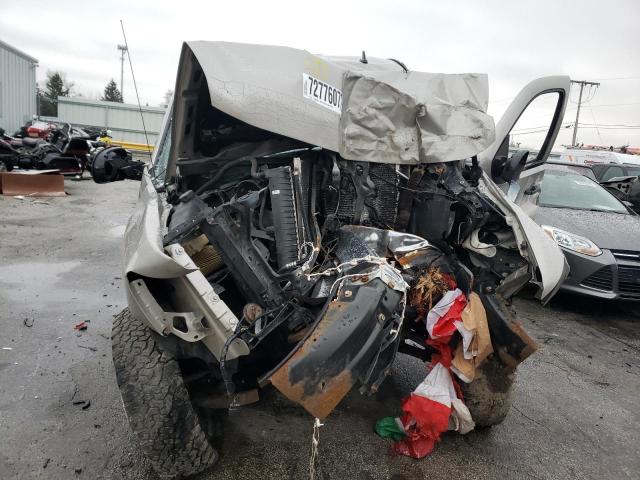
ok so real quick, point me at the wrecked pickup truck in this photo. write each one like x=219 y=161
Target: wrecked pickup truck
x=299 y=218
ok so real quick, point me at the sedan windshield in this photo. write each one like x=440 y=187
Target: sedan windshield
x=568 y=190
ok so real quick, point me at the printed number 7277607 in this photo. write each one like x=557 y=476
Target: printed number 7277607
x=321 y=92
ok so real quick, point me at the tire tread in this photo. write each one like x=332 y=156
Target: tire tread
x=157 y=403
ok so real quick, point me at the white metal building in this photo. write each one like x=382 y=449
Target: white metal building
x=17 y=87
x=123 y=119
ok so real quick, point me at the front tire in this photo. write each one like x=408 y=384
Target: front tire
x=156 y=401
x=490 y=394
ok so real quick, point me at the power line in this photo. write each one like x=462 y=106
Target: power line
x=611 y=125
x=610 y=128
x=593 y=115
x=529 y=133
x=617 y=78
x=581 y=125
x=614 y=104
x=597 y=126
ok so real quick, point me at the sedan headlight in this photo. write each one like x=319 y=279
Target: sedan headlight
x=572 y=242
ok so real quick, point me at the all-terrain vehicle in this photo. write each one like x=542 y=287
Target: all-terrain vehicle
x=293 y=206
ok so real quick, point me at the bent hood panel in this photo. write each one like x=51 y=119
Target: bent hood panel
x=442 y=116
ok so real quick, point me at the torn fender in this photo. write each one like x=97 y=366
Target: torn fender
x=354 y=342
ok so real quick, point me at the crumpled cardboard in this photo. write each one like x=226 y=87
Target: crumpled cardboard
x=473 y=351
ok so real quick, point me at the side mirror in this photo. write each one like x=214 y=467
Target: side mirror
x=507 y=169
x=113 y=164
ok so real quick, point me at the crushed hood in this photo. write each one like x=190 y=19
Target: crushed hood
x=374 y=111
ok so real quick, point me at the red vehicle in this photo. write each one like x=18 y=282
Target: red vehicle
x=34 y=129
x=39 y=129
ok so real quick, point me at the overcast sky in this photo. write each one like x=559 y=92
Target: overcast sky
x=514 y=42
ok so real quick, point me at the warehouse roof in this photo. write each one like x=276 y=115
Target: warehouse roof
x=20 y=53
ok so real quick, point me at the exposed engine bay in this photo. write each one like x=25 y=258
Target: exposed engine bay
x=308 y=267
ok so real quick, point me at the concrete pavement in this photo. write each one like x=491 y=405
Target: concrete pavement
x=575 y=414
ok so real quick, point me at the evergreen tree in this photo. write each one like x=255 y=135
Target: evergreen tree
x=56 y=86
x=111 y=92
x=167 y=98
x=45 y=106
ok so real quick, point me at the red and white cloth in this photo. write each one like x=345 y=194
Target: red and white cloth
x=436 y=405
x=444 y=319
x=432 y=408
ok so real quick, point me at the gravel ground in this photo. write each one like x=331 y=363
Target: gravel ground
x=575 y=414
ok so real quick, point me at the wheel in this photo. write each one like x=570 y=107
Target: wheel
x=490 y=394
x=156 y=401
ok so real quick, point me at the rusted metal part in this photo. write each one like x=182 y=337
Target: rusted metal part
x=322 y=402
x=33 y=183
x=297 y=336
x=530 y=347
x=342 y=349
x=509 y=339
x=418 y=258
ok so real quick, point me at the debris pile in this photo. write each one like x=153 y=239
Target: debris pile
x=457 y=330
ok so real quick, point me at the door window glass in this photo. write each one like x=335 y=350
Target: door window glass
x=612 y=172
x=633 y=171
x=532 y=128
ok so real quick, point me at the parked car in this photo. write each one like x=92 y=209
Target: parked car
x=598 y=156
x=600 y=236
x=607 y=171
x=622 y=180
x=289 y=212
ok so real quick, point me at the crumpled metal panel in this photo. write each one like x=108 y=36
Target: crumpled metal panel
x=384 y=241
x=379 y=122
x=143 y=251
x=408 y=249
x=414 y=118
x=345 y=345
x=411 y=117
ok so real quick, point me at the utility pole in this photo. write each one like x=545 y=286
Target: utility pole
x=582 y=83
x=123 y=50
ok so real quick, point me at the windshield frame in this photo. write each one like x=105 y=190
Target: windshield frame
x=159 y=165
x=623 y=210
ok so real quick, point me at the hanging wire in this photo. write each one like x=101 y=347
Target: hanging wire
x=315 y=441
x=595 y=122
